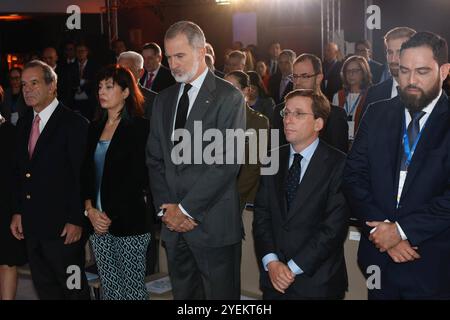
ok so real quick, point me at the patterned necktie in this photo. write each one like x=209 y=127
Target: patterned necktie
x=413 y=131
x=34 y=135
x=293 y=179
x=148 y=83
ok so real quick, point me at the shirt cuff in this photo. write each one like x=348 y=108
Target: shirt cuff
x=184 y=211
x=400 y=230
x=269 y=258
x=294 y=267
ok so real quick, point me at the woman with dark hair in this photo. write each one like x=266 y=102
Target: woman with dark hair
x=12 y=251
x=257 y=97
x=114 y=177
x=356 y=80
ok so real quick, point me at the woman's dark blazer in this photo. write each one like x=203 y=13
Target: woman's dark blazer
x=125 y=175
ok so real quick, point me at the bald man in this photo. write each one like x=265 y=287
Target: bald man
x=66 y=76
x=332 y=70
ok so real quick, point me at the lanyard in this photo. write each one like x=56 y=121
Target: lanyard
x=410 y=151
x=352 y=109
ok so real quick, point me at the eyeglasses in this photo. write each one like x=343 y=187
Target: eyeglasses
x=353 y=71
x=297 y=115
x=304 y=76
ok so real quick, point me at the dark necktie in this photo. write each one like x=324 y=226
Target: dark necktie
x=413 y=131
x=293 y=179
x=183 y=107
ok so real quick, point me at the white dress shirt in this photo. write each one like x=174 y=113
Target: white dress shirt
x=46 y=114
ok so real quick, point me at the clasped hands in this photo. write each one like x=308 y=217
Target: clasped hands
x=280 y=275
x=387 y=238
x=175 y=219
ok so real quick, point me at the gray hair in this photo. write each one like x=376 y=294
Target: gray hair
x=290 y=54
x=49 y=74
x=192 y=31
x=138 y=60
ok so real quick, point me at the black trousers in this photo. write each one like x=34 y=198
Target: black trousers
x=203 y=272
x=57 y=269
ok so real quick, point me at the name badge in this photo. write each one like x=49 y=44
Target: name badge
x=351 y=130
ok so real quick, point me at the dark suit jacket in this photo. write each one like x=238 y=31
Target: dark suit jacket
x=149 y=98
x=207 y=192
x=68 y=81
x=274 y=88
x=89 y=74
x=51 y=179
x=332 y=78
x=163 y=79
x=124 y=177
x=376 y=69
x=335 y=132
x=371 y=184
x=265 y=105
x=381 y=91
x=313 y=231
x=249 y=174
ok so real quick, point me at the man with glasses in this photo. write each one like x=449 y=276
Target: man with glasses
x=280 y=83
x=308 y=75
x=300 y=214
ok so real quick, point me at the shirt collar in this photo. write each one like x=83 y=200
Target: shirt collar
x=48 y=111
x=197 y=83
x=429 y=108
x=308 y=152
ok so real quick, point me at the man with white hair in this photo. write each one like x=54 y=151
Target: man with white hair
x=202 y=223
x=135 y=63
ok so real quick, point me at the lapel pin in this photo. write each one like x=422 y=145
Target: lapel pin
x=207 y=101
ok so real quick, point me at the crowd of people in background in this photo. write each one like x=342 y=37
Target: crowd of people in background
x=86 y=157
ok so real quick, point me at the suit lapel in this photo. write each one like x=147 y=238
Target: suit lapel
x=311 y=178
x=435 y=127
x=280 y=178
x=393 y=137
x=202 y=102
x=47 y=133
x=169 y=113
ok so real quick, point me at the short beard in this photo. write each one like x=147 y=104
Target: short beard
x=418 y=103
x=186 y=77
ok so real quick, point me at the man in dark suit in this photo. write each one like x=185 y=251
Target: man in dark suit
x=332 y=66
x=301 y=216
x=135 y=63
x=48 y=208
x=272 y=60
x=308 y=75
x=280 y=84
x=156 y=76
x=67 y=79
x=363 y=48
x=388 y=89
x=396 y=179
x=85 y=91
x=202 y=224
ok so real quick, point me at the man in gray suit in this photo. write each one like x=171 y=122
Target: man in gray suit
x=202 y=226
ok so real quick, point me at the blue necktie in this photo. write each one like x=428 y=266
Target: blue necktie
x=293 y=179
x=413 y=131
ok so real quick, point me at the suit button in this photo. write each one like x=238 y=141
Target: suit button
x=28 y=175
x=28 y=197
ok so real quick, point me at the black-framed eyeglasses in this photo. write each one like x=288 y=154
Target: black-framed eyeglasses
x=297 y=115
x=304 y=76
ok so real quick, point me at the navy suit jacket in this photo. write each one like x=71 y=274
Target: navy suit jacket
x=371 y=181
x=47 y=186
x=381 y=91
